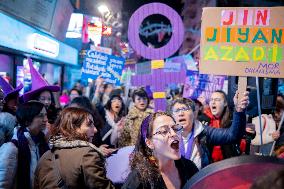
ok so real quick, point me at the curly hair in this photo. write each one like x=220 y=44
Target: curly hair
x=68 y=121
x=140 y=159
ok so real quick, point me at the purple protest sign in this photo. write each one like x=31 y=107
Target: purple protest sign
x=177 y=31
x=159 y=80
x=197 y=85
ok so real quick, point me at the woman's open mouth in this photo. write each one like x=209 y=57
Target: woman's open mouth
x=182 y=121
x=175 y=145
x=213 y=107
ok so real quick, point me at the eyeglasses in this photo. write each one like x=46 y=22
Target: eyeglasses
x=182 y=110
x=164 y=130
x=215 y=99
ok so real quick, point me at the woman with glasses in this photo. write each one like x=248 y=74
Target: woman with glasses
x=156 y=162
x=197 y=138
x=73 y=161
x=27 y=146
x=134 y=118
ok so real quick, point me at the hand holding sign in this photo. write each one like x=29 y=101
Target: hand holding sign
x=99 y=81
x=241 y=103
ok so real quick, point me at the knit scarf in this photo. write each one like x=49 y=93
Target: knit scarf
x=24 y=156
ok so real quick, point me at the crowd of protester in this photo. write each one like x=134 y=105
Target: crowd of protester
x=49 y=142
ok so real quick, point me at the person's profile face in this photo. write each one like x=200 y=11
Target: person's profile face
x=88 y=128
x=39 y=122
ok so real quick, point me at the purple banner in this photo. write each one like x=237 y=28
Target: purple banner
x=197 y=85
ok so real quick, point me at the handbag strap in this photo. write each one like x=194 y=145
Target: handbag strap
x=60 y=182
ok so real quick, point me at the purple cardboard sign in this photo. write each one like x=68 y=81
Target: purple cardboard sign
x=158 y=80
x=172 y=67
x=197 y=85
x=177 y=31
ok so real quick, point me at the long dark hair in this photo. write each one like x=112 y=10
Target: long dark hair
x=226 y=114
x=37 y=95
x=108 y=105
x=141 y=156
x=52 y=111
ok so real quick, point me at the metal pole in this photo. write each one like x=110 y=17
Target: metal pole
x=259 y=112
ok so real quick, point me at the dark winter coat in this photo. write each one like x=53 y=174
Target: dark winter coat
x=81 y=165
x=221 y=136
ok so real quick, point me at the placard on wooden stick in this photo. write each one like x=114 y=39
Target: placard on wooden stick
x=242 y=86
x=243 y=41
